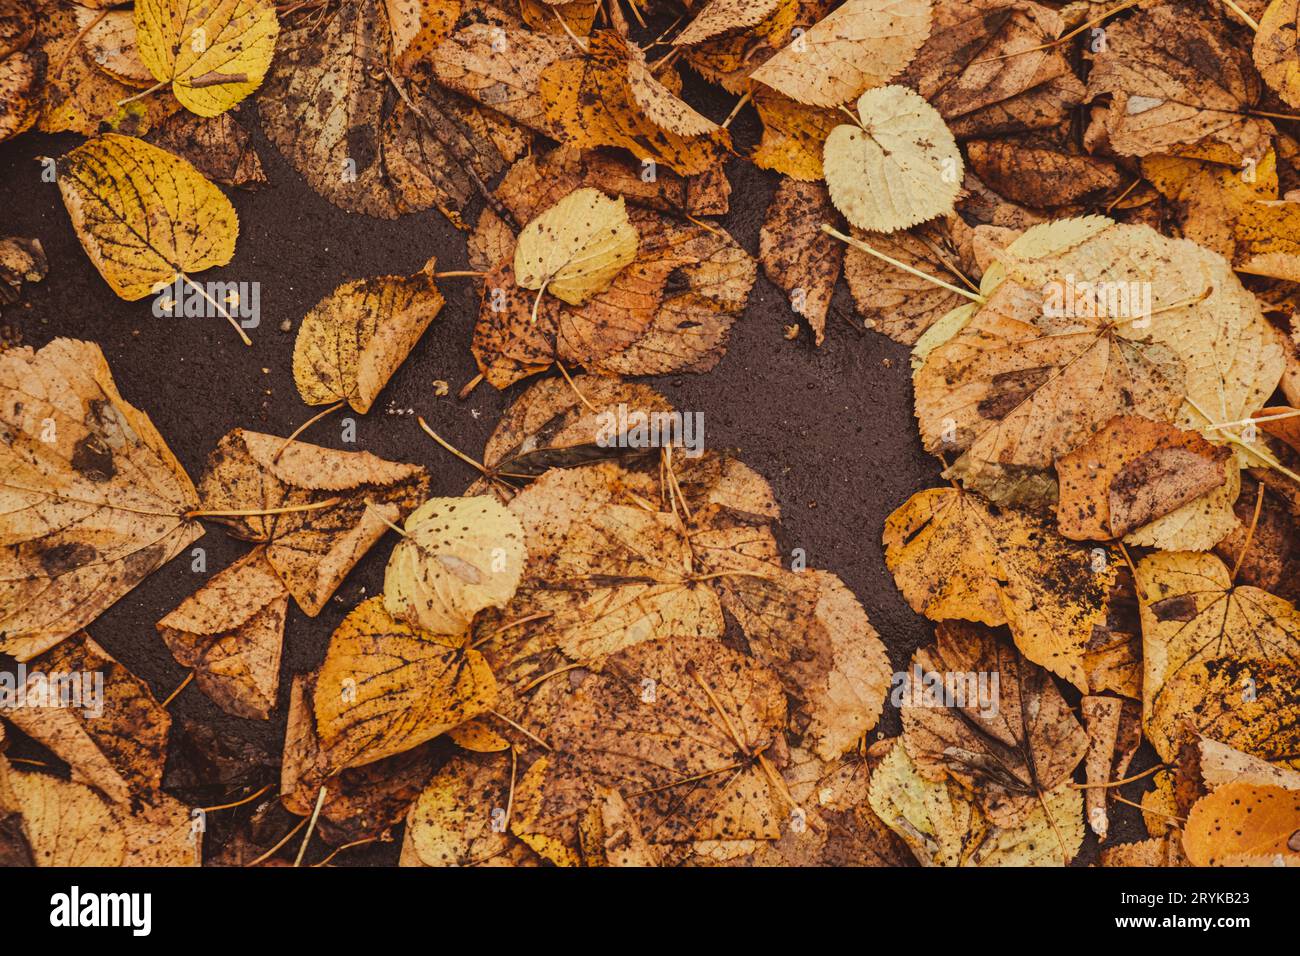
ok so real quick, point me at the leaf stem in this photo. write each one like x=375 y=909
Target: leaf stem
x=143 y=93
x=859 y=244
x=262 y=512
x=216 y=305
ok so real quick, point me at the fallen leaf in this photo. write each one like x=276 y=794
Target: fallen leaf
x=794 y=135
x=1275 y=52
x=1038 y=176
x=576 y=247
x=145 y=217
x=456 y=557
x=231 y=633
x=862 y=44
x=943 y=827
x=212 y=56
x=105 y=724
x=219 y=147
x=339 y=504
x=1161 y=99
x=21 y=261
x=1219 y=659
x=800 y=259
x=93 y=499
x=897 y=167
x=955 y=557
x=386 y=687
x=352 y=341
x=1114 y=730
x=1131 y=472
x=1243 y=824
x=973 y=710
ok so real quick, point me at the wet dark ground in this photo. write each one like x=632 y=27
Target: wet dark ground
x=831 y=428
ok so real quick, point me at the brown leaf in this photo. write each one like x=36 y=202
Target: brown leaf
x=218 y=146
x=93 y=500
x=796 y=255
x=1130 y=472
x=1011 y=742
x=109 y=728
x=312 y=549
x=1039 y=176
x=231 y=632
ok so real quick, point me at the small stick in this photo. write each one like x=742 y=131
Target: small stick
x=216 y=305
x=346 y=846
x=735 y=110
x=276 y=849
x=143 y=93
x=1118 y=783
x=1120 y=198
x=1250 y=21
x=303 y=427
x=1250 y=533
x=478 y=466
x=263 y=512
x=859 y=244
x=459 y=272
x=320 y=802
x=238 y=803
x=172 y=696
x=576 y=391
x=527 y=733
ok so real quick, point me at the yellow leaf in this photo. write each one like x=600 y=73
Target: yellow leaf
x=862 y=44
x=459 y=555
x=898 y=167
x=1219 y=659
x=144 y=216
x=1244 y=824
x=352 y=342
x=953 y=556
x=213 y=54
x=386 y=687
x=1276 y=54
x=576 y=247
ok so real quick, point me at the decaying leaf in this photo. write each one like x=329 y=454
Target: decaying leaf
x=93 y=499
x=328 y=507
x=231 y=632
x=794 y=135
x=350 y=344
x=973 y=710
x=1221 y=660
x=898 y=167
x=386 y=687
x=1114 y=728
x=1162 y=100
x=796 y=255
x=21 y=261
x=713 y=782
x=219 y=147
x=144 y=216
x=456 y=557
x=943 y=827
x=460 y=818
x=1039 y=176
x=1276 y=53
x=1160 y=328
x=955 y=557
x=213 y=55
x=1131 y=472
x=96 y=716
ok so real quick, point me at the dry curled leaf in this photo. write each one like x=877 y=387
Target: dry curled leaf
x=327 y=507
x=231 y=633
x=93 y=499
x=352 y=341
